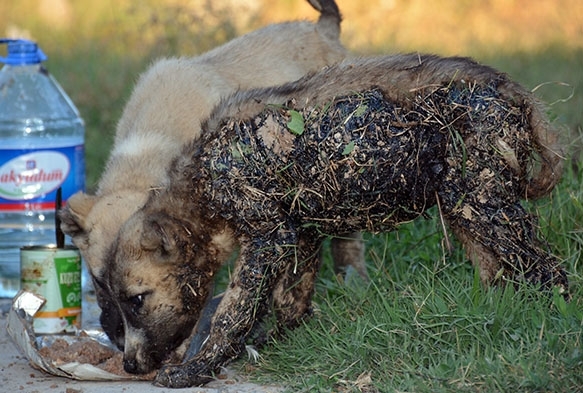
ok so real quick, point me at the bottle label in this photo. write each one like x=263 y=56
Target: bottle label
x=29 y=178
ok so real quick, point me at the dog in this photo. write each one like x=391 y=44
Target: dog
x=165 y=110
x=364 y=145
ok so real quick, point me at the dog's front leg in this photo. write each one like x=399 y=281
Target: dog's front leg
x=292 y=294
x=202 y=329
x=260 y=263
x=293 y=291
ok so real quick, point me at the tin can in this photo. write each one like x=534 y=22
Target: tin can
x=55 y=274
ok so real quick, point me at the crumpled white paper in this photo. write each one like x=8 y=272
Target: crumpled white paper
x=19 y=326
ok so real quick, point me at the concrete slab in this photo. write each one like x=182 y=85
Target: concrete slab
x=16 y=375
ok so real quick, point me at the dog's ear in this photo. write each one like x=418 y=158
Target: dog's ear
x=160 y=234
x=74 y=218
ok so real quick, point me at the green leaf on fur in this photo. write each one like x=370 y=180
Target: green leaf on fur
x=296 y=124
x=348 y=149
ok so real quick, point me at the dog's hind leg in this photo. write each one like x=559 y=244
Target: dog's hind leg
x=500 y=237
x=348 y=253
x=488 y=264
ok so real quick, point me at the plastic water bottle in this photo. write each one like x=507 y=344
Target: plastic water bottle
x=41 y=149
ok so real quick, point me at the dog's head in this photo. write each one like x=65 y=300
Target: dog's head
x=160 y=274
x=92 y=222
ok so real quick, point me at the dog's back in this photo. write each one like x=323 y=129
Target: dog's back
x=401 y=75
x=173 y=97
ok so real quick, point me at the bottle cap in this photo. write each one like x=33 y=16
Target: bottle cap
x=22 y=52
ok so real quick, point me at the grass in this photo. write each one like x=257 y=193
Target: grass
x=423 y=323
x=427 y=325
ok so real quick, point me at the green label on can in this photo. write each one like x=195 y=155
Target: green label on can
x=69 y=277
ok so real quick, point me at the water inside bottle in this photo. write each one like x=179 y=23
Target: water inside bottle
x=42 y=149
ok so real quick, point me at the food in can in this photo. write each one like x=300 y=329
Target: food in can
x=55 y=274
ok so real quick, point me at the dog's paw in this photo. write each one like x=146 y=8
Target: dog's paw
x=184 y=375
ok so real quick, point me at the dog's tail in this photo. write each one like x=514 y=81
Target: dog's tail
x=544 y=167
x=551 y=152
x=330 y=18
x=546 y=143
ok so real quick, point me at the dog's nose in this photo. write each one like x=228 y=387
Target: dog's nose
x=130 y=366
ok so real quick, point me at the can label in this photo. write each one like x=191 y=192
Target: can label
x=55 y=274
x=29 y=178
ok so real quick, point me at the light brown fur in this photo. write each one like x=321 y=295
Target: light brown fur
x=165 y=110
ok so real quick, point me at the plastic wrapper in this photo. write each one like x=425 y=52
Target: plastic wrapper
x=19 y=326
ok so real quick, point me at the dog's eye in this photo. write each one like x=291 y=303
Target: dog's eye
x=137 y=302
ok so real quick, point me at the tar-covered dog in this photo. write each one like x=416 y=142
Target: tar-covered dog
x=362 y=146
